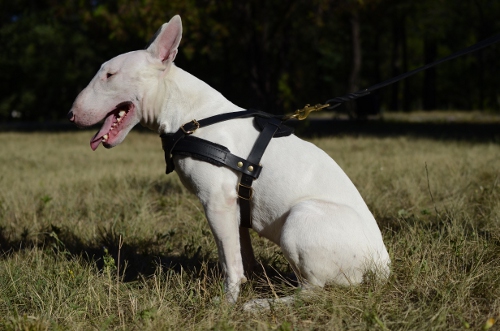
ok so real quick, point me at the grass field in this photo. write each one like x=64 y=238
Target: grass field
x=104 y=240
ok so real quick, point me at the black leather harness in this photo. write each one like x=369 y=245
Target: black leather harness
x=182 y=143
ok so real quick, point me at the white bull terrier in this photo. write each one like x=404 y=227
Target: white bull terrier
x=302 y=201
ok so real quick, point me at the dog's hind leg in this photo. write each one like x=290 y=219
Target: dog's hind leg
x=329 y=242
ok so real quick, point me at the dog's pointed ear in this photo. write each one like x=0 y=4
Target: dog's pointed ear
x=166 y=41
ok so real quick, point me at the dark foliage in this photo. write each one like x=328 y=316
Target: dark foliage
x=272 y=55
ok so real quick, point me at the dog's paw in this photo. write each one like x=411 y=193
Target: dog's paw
x=266 y=304
x=257 y=304
x=228 y=297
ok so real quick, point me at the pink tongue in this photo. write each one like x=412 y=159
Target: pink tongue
x=97 y=138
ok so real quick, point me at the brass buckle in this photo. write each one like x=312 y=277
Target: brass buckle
x=247 y=187
x=195 y=122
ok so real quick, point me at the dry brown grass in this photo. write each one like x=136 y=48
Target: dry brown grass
x=64 y=208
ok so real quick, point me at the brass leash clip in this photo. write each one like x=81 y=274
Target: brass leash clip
x=301 y=114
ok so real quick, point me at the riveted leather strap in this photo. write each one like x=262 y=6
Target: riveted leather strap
x=215 y=154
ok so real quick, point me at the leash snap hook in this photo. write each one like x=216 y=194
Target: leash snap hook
x=301 y=114
x=196 y=124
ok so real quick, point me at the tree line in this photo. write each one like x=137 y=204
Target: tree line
x=272 y=55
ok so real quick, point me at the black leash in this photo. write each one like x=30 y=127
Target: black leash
x=335 y=102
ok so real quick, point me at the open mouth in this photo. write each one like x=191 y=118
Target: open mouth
x=114 y=124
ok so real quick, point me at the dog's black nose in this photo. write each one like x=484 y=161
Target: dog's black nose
x=71 y=117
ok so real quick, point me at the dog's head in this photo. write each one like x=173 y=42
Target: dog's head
x=118 y=91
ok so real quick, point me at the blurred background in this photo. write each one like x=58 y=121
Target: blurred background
x=272 y=55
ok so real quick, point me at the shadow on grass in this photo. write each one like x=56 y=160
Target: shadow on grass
x=139 y=258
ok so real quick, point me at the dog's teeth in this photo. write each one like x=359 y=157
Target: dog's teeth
x=121 y=113
x=105 y=137
x=115 y=125
x=118 y=119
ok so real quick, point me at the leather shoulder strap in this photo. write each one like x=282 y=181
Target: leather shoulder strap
x=245 y=191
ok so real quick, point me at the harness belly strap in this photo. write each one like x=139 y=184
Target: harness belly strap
x=182 y=143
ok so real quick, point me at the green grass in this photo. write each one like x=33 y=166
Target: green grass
x=104 y=240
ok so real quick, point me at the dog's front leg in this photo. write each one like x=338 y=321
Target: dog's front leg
x=215 y=187
x=225 y=228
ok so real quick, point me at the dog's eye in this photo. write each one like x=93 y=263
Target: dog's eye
x=108 y=75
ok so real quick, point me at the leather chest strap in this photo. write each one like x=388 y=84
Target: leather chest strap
x=215 y=154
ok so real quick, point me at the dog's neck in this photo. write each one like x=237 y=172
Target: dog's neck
x=179 y=98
